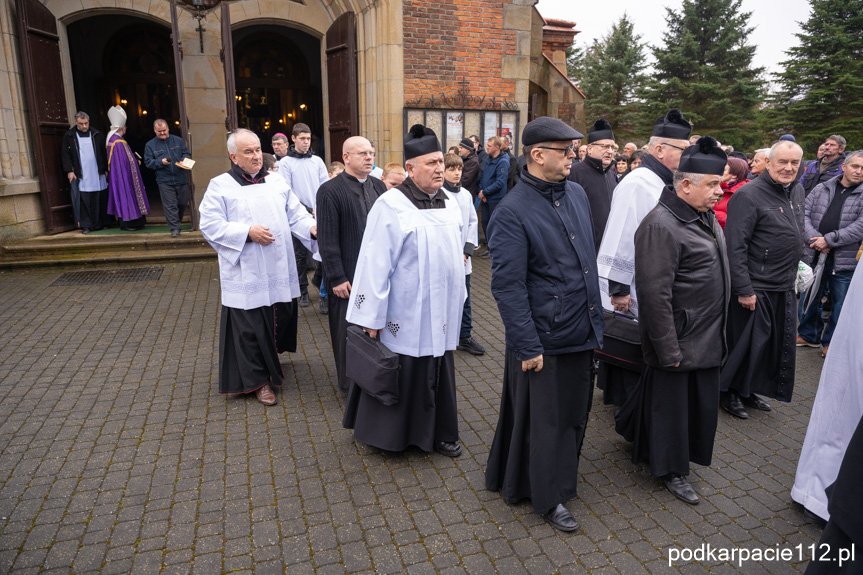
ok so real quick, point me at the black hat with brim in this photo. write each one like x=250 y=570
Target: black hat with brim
x=546 y=129
x=672 y=125
x=705 y=157
x=420 y=141
x=600 y=130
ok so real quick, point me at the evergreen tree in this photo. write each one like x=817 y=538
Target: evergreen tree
x=575 y=63
x=821 y=90
x=613 y=73
x=704 y=67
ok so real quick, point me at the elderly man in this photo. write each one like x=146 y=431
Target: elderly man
x=833 y=224
x=544 y=280
x=681 y=269
x=162 y=154
x=280 y=145
x=85 y=161
x=595 y=175
x=409 y=288
x=764 y=234
x=304 y=172
x=831 y=157
x=633 y=198
x=758 y=163
x=127 y=197
x=343 y=205
x=629 y=149
x=248 y=215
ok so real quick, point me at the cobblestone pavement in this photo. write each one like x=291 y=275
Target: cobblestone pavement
x=118 y=455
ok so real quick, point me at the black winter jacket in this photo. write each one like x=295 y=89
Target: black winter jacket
x=681 y=272
x=599 y=184
x=544 y=274
x=70 y=156
x=764 y=232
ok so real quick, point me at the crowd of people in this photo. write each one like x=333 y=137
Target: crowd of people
x=670 y=275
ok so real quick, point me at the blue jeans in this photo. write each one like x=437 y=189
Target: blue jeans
x=811 y=327
x=323 y=291
x=466 y=321
x=487 y=209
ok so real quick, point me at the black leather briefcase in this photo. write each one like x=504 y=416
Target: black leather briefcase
x=621 y=343
x=372 y=366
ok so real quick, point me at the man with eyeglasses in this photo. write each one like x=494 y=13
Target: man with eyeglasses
x=545 y=284
x=595 y=176
x=633 y=199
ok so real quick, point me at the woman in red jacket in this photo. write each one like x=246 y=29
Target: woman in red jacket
x=736 y=171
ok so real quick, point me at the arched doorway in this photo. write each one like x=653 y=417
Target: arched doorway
x=278 y=81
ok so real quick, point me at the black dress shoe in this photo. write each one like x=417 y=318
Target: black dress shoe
x=814 y=519
x=470 y=345
x=304 y=300
x=561 y=518
x=447 y=448
x=680 y=488
x=85 y=231
x=324 y=306
x=731 y=403
x=756 y=402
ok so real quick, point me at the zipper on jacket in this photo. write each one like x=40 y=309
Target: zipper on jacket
x=764 y=261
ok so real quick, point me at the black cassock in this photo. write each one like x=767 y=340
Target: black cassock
x=616 y=383
x=426 y=411
x=762 y=346
x=671 y=419
x=844 y=531
x=543 y=417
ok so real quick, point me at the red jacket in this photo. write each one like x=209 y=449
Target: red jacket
x=721 y=207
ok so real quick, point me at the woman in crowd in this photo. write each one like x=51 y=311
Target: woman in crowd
x=622 y=164
x=736 y=173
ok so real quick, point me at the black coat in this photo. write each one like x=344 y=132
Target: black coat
x=681 y=272
x=544 y=274
x=765 y=233
x=513 y=176
x=70 y=156
x=599 y=184
x=470 y=174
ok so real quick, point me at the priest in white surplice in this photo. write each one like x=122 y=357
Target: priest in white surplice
x=633 y=198
x=248 y=215
x=409 y=287
x=837 y=409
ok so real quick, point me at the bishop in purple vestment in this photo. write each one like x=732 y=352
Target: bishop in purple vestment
x=127 y=198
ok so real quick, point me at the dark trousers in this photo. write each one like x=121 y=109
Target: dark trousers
x=301 y=254
x=812 y=327
x=487 y=209
x=174 y=201
x=94 y=209
x=466 y=320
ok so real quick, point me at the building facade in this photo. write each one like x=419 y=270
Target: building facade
x=344 y=67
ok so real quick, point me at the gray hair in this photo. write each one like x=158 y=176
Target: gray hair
x=854 y=154
x=691 y=176
x=782 y=144
x=82 y=116
x=232 y=138
x=159 y=122
x=838 y=139
x=761 y=151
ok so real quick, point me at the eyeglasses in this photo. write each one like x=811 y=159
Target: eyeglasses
x=605 y=146
x=363 y=154
x=565 y=150
x=673 y=146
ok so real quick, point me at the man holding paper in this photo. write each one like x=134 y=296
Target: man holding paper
x=163 y=154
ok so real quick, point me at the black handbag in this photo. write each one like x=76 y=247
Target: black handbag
x=372 y=366
x=621 y=342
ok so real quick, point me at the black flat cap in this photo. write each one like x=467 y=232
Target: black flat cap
x=600 y=130
x=467 y=143
x=705 y=157
x=420 y=141
x=545 y=129
x=672 y=125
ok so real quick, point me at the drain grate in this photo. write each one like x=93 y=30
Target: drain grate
x=109 y=276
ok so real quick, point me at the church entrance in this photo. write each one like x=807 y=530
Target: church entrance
x=277 y=71
x=126 y=61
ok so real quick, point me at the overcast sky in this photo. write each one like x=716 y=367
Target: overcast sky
x=775 y=22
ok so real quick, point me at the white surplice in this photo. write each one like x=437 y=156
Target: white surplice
x=838 y=406
x=470 y=231
x=633 y=198
x=253 y=275
x=409 y=281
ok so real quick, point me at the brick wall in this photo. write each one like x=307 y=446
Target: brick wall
x=445 y=40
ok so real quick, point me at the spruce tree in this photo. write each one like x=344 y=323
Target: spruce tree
x=821 y=90
x=704 y=67
x=613 y=74
x=575 y=63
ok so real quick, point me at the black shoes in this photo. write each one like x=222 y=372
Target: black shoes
x=323 y=306
x=680 y=488
x=470 y=345
x=304 y=300
x=813 y=519
x=85 y=231
x=561 y=518
x=447 y=448
x=731 y=403
x=755 y=402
